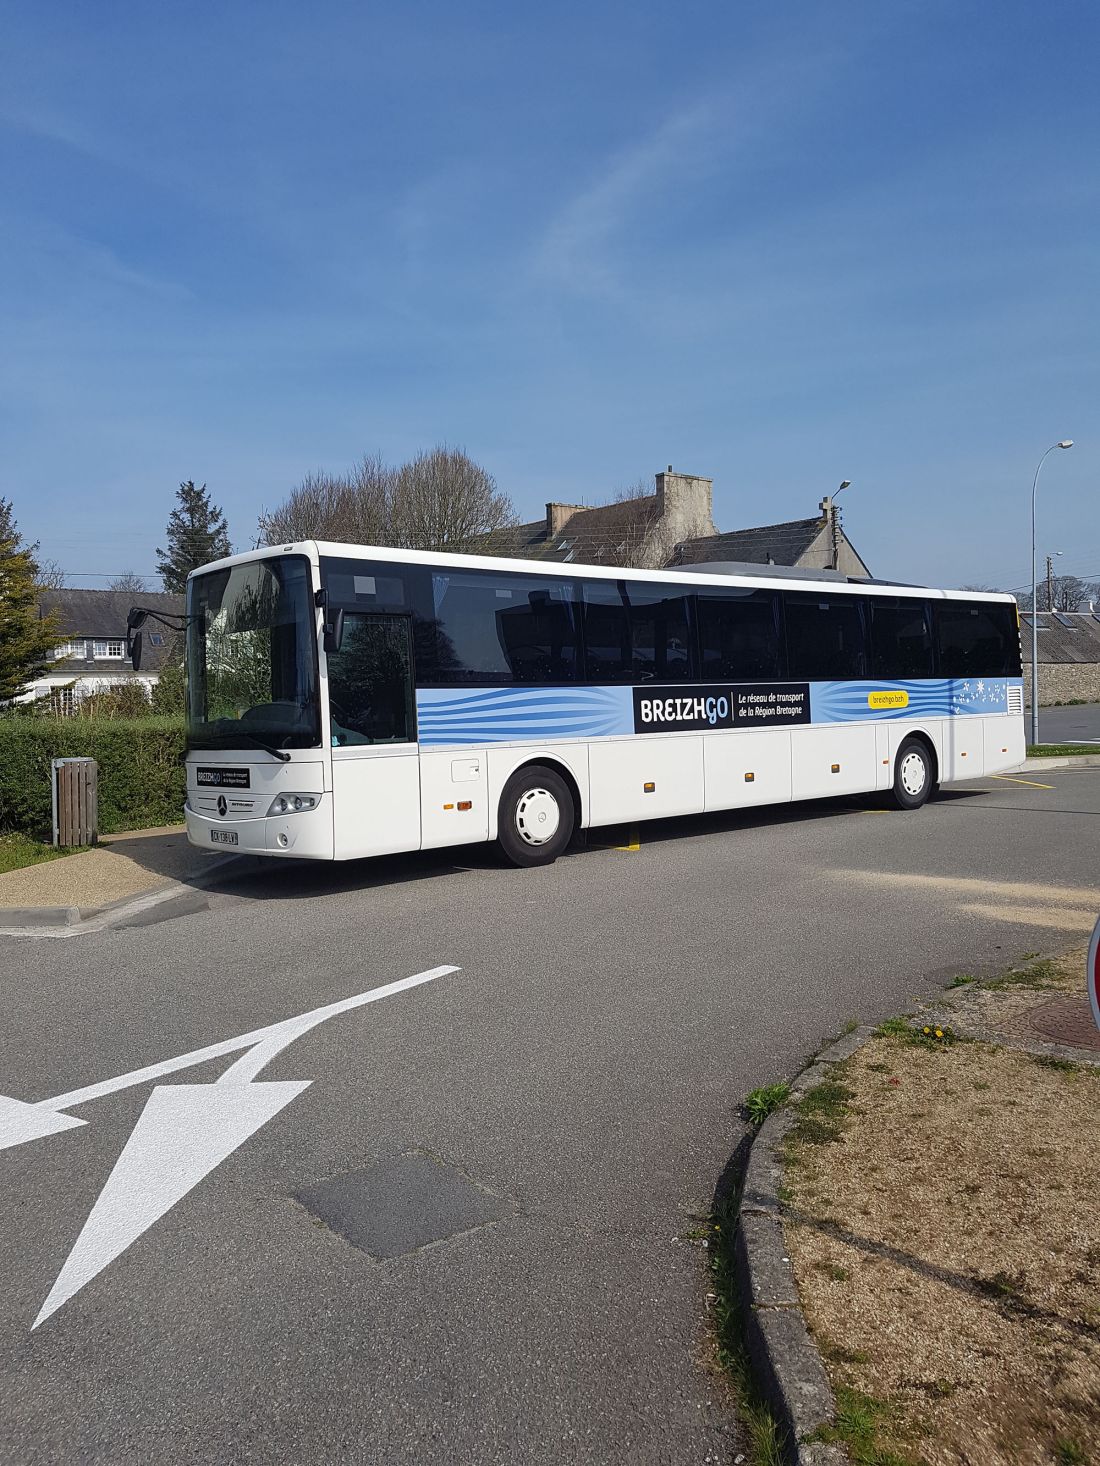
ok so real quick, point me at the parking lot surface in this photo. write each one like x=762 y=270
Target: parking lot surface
x=1070 y=724
x=452 y=1221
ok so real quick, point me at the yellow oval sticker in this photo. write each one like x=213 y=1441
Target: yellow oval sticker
x=896 y=699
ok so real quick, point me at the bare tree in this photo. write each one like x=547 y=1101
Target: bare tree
x=444 y=500
x=353 y=507
x=439 y=499
x=130 y=581
x=1070 y=593
x=50 y=576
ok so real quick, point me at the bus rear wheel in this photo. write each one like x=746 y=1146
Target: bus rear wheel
x=912 y=774
x=535 y=821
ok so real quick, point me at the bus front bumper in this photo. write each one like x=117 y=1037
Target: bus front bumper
x=306 y=835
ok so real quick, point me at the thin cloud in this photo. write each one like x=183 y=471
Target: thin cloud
x=573 y=250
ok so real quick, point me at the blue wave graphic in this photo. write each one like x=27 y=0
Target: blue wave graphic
x=501 y=715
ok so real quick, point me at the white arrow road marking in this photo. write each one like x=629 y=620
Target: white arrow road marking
x=184 y=1131
x=20 y=1121
x=182 y=1134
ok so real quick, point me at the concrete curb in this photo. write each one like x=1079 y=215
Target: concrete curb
x=1061 y=761
x=784 y=1358
x=75 y=921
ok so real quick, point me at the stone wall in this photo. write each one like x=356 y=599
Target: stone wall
x=1063 y=682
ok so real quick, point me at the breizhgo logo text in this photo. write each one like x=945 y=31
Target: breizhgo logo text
x=763 y=705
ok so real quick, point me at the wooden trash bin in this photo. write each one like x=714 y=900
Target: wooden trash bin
x=75 y=801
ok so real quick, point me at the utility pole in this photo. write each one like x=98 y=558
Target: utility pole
x=832 y=519
x=1065 y=443
x=1050 y=582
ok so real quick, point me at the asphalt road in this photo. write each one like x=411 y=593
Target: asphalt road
x=1066 y=725
x=517 y=1150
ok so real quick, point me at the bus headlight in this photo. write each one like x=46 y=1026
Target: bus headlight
x=293 y=803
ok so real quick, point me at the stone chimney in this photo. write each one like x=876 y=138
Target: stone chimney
x=557 y=517
x=684 y=506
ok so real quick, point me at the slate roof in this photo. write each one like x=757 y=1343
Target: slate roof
x=101 y=614
x=595 y=536
x=786 y=544
x=1077 y=641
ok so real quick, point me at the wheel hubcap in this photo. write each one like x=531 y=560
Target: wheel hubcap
x=537 y=816
x=914 y=773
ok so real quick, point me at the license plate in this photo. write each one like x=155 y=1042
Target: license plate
x=224 y=837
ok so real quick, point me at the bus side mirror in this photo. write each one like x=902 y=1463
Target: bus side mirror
x=333 y=633
x=135 y=650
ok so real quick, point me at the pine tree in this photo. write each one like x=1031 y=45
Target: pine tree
x=26 y=640
x=197 y=533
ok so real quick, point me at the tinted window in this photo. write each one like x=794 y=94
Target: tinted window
x=901 y=638
x=825 y=637
x=538 y=632
x=739 y=636
x=370 y=682
x=977 y=640
x=503 y=628
x=635 y=633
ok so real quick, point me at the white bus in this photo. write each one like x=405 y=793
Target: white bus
x=347 y=701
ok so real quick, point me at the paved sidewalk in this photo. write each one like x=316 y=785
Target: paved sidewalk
x=120 y=867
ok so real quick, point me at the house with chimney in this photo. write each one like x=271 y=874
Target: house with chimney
x=672 y=527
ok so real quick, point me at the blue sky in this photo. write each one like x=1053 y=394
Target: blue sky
x=778 y=244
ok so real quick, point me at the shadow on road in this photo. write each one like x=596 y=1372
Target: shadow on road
x=260 y=878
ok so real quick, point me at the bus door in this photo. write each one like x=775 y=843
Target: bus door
x=372 y=728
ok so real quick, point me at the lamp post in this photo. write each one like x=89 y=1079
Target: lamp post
x=1064 y=443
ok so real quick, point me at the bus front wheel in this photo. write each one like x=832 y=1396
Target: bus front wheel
x=535 y=821
x=912 y=774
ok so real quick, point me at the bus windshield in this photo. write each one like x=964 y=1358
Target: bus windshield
x=252 y=657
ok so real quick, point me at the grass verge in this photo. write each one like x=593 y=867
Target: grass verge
x=17 y=851
x=939 y=1201
x=1061 y=750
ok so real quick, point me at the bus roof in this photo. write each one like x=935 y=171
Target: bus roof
x=772 y=577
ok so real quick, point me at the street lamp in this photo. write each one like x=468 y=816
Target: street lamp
x=1065 y=443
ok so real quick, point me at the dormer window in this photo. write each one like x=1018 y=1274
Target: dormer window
x=109 y=650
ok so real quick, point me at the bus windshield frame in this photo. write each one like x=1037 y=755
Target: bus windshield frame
x=253 y=676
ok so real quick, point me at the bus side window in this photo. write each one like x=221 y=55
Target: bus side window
x=739 y=636
x=901 y=638
x=977 y=640
x=826 y=639
x=636 y=633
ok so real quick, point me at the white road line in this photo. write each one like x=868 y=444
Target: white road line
x=284 y=1032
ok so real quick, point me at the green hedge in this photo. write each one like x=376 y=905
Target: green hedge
x=141 y=774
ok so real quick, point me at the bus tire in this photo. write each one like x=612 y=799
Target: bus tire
x=913 y=774
x=536 y=816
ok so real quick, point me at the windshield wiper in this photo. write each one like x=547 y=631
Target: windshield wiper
x=251 y=737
